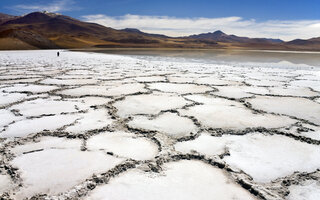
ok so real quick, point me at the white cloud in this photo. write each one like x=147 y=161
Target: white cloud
x=55 y=6
x=286 y=30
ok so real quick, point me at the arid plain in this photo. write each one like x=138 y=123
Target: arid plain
x=105 y=126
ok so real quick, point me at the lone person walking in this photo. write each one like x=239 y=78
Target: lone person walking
x=58 y=53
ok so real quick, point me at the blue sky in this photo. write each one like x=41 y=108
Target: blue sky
x=283 y=19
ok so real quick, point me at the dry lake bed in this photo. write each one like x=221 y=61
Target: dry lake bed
x=113 y=127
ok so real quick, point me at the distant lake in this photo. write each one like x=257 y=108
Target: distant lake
x=242 y=57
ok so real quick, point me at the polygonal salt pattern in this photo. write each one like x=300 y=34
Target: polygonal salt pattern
x=181 y=180
x=8 y=98
x=104 y=90
x=263 y=157
x=236 y=92
x=180 y=88
x=64 y=169
x=102 y=126
x=30 y=88
x=227 y=114
x=293 y=91
x=124 y=145
x=148 y=104
x=69 y=81
x=168 y=123
x=7 y=117
x=46 y=143
x=297 y=107
x=47 y=107
x=150 y=78
x=93 y=119
x=307 y=83
x=31 y=126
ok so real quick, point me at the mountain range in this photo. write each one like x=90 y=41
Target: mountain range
x=44 y=30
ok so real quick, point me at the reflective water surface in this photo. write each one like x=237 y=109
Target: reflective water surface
x=247 y=57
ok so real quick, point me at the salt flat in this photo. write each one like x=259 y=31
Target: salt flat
x=177 y=183
x=168 y=123
x=261 y=156
x=296 y=107
x=307 y=190
x=100 y=126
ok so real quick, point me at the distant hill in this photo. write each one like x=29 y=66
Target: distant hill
x=310 y=44
x=66 y=32
x=305 y=42
x=134 y=30
x=29 y=38
x=220 y=36
x=4 y=18
x=44 y=30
